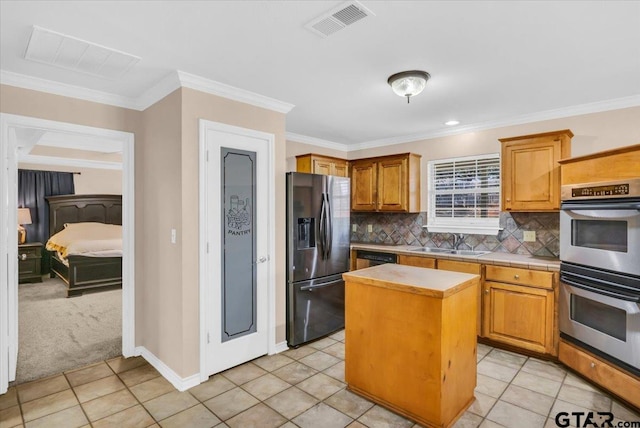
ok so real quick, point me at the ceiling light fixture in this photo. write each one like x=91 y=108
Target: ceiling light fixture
x=452 y=122
x=408 y=83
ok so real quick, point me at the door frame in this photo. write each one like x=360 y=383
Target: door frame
x=207 y=312
x=9 y=292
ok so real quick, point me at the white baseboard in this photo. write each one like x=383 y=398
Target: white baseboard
x=180 y=383
x=280 y=347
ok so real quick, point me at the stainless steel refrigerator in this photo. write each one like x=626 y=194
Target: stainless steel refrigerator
x=318 y=209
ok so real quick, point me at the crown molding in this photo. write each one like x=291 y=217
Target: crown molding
x=220 y=89
x=62 y=89
x=596 y=107
x=161 y=89
x=299 y=138
x=75 y=163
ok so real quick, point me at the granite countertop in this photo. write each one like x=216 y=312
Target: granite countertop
x=494 y=258
x=410 y=279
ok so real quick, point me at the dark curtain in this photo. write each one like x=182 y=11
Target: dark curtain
x=33 y=187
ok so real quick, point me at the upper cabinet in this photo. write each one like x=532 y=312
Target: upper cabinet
x=530 y=170
x=326 y=165
x=388 y=183
x=610 y=165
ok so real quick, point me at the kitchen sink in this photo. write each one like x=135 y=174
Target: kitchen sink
x=449 y=251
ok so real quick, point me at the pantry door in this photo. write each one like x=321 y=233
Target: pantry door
x=237 y=260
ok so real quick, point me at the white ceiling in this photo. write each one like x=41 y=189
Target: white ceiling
x=490 y=62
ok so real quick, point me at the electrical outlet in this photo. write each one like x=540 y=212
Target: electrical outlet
x=369 y=228
x=354 y=227
x=529 y=236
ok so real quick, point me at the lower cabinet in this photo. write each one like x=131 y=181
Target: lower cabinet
x=418 y=261
x=472 y=268
x=520 y=315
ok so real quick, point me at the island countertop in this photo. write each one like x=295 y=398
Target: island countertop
x=428 y=282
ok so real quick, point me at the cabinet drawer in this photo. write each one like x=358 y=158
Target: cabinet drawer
x=601 y=372
x=29 y=267
x=29 y=252
x=533 y=278
x=457 y=266
x=418 y=261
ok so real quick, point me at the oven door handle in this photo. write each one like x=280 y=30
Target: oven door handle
x=580 y=206
x=600 y=291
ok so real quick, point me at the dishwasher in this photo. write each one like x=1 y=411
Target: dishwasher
x=367 y=258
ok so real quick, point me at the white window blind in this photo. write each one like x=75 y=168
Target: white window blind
x=464 y=194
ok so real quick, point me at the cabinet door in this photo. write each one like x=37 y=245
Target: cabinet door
x=531 y=175
x=363 y=186
x=519 y=316
x=466 y=267
x=392 y=185
x=340 y=169
x=321 y=166
x=418 y=261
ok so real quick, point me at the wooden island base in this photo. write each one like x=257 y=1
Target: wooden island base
x=410 y=340
x=416 y=418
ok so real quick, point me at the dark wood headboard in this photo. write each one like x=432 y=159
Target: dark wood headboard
x=81 y=208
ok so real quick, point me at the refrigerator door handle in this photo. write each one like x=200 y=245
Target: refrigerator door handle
x=322 y=229
x=329 y=226
x=315 y=287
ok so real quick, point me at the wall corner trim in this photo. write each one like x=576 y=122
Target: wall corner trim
x=180 y=383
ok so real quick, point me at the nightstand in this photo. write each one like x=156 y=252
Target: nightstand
x=29 y=262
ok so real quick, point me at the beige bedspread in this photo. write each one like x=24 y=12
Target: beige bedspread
x=87 y=239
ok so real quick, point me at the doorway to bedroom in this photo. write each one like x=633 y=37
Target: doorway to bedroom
x=50 y=332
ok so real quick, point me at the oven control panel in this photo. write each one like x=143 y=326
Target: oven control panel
x=629 y=188
x=615 y=190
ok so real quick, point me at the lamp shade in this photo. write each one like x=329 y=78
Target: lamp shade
x=24 y=216
x=408 y=83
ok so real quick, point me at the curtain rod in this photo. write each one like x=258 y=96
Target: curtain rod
x=45 y=170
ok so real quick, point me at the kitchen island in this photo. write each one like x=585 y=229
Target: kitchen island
x=411 y=340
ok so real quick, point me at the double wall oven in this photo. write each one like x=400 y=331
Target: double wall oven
x=600 y=270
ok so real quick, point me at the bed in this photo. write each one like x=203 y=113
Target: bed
x=85 y=273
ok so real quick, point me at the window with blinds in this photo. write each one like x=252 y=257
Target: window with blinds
x=464 y=193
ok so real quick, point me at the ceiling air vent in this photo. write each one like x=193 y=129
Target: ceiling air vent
x=60 y=50
x=338 y=18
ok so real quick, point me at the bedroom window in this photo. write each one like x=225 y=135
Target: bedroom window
x=464 y=195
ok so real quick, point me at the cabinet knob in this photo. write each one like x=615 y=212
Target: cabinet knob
x=508 y=199
x=593 y=365
x=486 y=291
x=22 y=256
x=516 y=276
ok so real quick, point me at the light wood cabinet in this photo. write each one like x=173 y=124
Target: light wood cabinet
x=467 y=267
x=419 y=261
x=619 y=382
x=388 y=184
x=519 y=308
x=531 y=172
x=610 y=165
x=410 y=345
x=318 y=164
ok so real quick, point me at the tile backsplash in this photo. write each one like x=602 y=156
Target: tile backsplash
x=406 y=229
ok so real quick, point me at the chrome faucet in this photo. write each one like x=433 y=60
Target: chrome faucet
x=458 y=238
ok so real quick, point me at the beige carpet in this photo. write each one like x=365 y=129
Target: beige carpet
x=58 y=334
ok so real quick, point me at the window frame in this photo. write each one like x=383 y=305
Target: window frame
x=466 y=225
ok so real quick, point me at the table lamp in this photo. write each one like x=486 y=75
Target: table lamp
x=24 y=217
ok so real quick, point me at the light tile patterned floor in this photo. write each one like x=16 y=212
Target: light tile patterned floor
x=301 y=387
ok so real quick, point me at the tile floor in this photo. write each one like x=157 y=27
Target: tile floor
x=301 y=387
